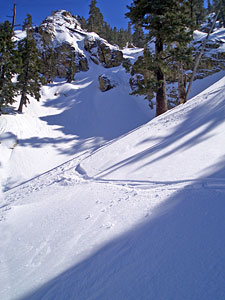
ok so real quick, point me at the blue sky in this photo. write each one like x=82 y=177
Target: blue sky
x=113 y=11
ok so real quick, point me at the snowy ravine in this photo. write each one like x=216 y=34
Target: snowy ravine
x=141 y=217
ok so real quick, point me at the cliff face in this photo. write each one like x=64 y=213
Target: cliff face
x=63 y=34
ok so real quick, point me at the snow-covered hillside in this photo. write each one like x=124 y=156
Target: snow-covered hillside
x=71 y=118
x=139 y=218
x=183 y=132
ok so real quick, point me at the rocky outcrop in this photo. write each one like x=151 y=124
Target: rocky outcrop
x=62 y=33
x=109 y=57
x=63 y=55
x=83 y=63
x=105 y=53
x=105 y=83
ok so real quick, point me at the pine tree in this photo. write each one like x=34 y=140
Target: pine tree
x=209 y=7
x=7 y=64
x=48 y=62
x=129 y=38
x=71 y=70
x=122 y=38
x=96 y=23
x=28 y=81
x=115 y=35
x=83 y=23
x=220 y=5
x=197 y=12
x=95 y=20
x=27 y=25
x=138 y=36
x=168 y=28
x=107 y=32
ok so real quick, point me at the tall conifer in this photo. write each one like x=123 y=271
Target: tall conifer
x=7 y=64
x=168 y=26
x=220 y=5
x=138 y=37
x=71 y=70
x=95 y=20
x=28 y=81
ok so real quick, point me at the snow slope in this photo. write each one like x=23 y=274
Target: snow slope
x=184 y=132
x=70 y=119
x=141 y=217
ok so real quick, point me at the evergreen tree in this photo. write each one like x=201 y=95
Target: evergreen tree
x=129 y=38
x=48 y=61
x=168 y=26
x=71 y=71
x=82 y=22
x=27 y=25
x=7 y=64
x=220 y=5
x=28 y=81
x=97 y=24
x=115 y=35
x=95 y=20
x=122 y=35
x=209 y=7
x=197 y=12
x=107 y=33
x=138 y=36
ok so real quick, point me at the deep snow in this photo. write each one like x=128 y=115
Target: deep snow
x=70 y=119
x=98 y=203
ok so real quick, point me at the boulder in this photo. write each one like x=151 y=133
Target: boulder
x=83 y=63
x=105 y=83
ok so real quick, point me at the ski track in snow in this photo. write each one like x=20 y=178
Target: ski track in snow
x=71 y=174
x=101 y=219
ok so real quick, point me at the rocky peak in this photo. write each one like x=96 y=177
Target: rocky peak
x=58 y=21
x=63 y=33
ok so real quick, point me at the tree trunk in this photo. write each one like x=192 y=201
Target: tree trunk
x=24 y=88
x=161 y=103
x=199 y=57
x=14 y=17
x=20 y=109
x=23 y=99
x=181 y=84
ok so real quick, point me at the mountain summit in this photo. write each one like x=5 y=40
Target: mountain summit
x=64 y=35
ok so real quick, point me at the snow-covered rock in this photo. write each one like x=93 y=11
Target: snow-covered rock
x=62 y=32
x=105 y=83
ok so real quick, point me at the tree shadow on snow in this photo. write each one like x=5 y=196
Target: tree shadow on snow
x=178 y=253
x=86 y=114
x=76 y=145
x=203 y=119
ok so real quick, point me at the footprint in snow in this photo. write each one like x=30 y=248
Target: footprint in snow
x=107 y=226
